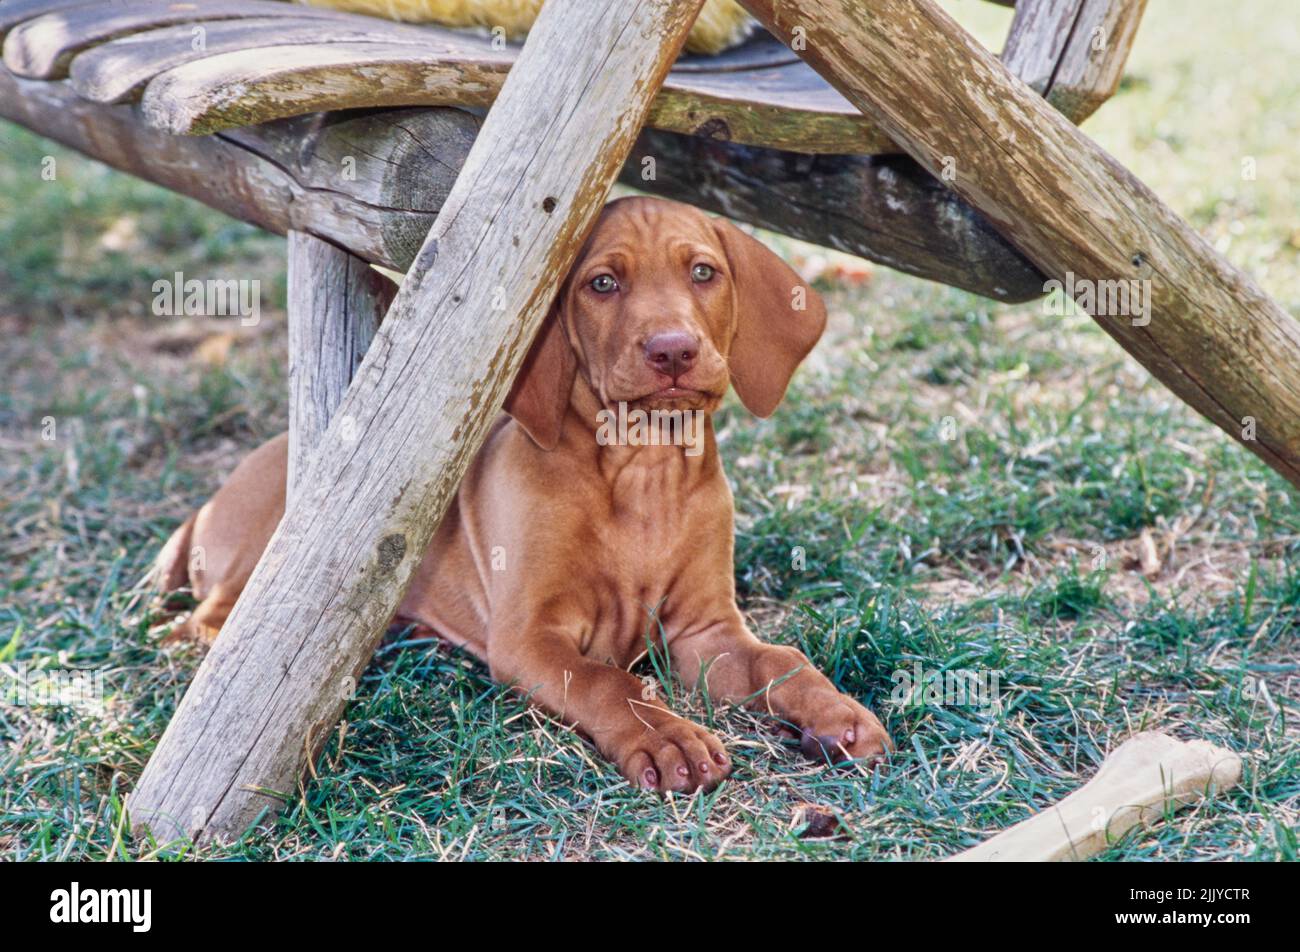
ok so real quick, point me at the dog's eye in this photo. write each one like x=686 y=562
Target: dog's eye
x=701 y=273
x=604 y=283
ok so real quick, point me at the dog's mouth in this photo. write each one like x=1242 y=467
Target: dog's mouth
x=676 y=398
x=676 y=393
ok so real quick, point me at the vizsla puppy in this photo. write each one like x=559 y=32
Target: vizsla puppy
x=568 y=546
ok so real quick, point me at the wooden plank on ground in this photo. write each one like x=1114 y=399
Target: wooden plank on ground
x=1197 y=323
x=1142 y=781
x=273 y=685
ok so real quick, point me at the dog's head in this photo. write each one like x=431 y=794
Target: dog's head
x=662 y=309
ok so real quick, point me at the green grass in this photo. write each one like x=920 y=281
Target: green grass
x=968 y=485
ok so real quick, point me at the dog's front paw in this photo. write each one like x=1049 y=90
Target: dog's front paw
x=674 y=755
x=837 y=728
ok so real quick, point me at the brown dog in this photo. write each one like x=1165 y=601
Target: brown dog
x=567 y=550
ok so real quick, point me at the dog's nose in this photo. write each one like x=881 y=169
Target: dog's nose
x=672 y=353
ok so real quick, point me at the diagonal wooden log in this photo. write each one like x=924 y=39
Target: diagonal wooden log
x=1197 y=323
x=336 y=301
x=276 y=680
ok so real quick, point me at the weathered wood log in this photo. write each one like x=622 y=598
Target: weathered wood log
x=885 y=208
x=1196 y=322
x=336 y=302
x=1072 y=52
x=274 y=683
x=1142 y=780
x=373 y=183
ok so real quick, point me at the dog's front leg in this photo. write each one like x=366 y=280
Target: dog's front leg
x=652 y=747
x=735 y=667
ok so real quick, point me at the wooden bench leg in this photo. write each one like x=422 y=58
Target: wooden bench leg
x=271 y=689
x=336 y=302
x=1072 y=52
x=1198 y=324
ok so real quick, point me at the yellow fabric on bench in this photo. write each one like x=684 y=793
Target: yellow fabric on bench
x=722 y=23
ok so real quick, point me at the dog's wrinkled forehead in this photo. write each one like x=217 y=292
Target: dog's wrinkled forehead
x=645 y=227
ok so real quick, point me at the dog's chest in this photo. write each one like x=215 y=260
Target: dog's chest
x=661 y=559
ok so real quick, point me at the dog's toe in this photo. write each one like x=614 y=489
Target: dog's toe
x=677 y=757
x=845 y=731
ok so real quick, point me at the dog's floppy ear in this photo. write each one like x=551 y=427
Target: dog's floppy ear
x=778 y=320
x=540 y=394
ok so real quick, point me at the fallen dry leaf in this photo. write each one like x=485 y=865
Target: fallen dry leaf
x=1148 y=555
x=214 y=351
x=819 y=823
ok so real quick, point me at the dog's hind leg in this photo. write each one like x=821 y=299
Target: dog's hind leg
x=204 y=623
x=172 y=568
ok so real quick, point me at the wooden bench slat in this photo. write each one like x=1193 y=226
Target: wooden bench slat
x=781 y=107
x=789 y=107
x=251 y=86
x=118 y=71
x=761 y=52
x=14 y=12
x=42 y=47
x=760 y=93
